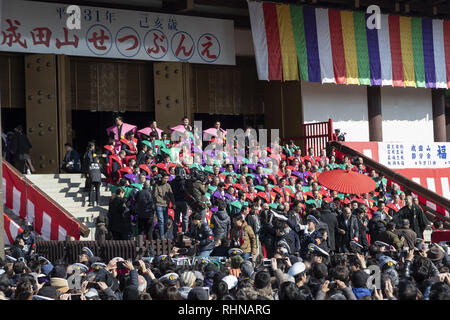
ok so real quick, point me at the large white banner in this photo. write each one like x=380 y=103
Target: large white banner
x=38 y=27
x=397 y=155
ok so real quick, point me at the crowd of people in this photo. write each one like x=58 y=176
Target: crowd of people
x=258 y=223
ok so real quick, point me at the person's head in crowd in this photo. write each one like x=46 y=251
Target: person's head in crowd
x=438 y=225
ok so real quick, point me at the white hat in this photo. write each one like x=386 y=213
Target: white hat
x=91 y=293
x=296 y=268
x=231 y=281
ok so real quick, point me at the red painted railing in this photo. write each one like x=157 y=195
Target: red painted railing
x=315 y=135
x=31 y=204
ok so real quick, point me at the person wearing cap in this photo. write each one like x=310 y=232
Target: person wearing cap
x=407 y=234
x=170 y=280
x=202 y=235
x=308 y=235
x=347 y=230
x=390 y=237
x=242 y=234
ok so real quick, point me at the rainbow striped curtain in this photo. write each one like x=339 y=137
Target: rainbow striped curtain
x=333 y=46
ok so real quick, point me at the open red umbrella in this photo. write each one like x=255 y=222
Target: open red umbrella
x=345 y=181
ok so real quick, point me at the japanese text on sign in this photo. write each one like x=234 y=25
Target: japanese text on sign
x=112 y=33
x=414 y=155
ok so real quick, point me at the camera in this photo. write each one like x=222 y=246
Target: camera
x=267 y=262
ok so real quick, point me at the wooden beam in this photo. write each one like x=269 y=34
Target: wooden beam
x=178 y=5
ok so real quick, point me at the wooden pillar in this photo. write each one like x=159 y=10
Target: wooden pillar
x=273 y=107
x=172 y=93
x=42 y=111
x=64 y=104
x=374 y=112
x=439 y=125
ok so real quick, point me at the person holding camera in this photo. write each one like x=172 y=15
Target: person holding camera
x=163 y=195
x=197 y=194
x=202 y=235
x=243 y=237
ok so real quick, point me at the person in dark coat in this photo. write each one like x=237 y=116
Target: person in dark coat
x=140 y=158
x=331 y=220
x=407 y=234
x=179 y=194
x=309 y=235
x=145 y=209
x=88 y=158
x=28 y=237
x=119 y=217
x=376 y=226
x=390 y=237
x=348 y=230
x=18 y=249
x=417 y=219
x=293 y=215
x=363 y=228
x=202 y=235
x=220 y=223
x=71 y=162
x=95 y=178
x=20 y=151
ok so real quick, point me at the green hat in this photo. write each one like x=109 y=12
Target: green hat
x=128 y=191
x=208 y=169
x=160 y=144
x=306 y=189
x=196 y=165
x=245 y=161
x=137 y=186
x=147 y=143
x=313 y=202
x=236 y=204
x=273 y=205
x=267 y=170
x=259 y=187
x=114 y=188
x=341 y=196
x=250 y=175
x=172 y=152
x=212 y=188
x=208 y=195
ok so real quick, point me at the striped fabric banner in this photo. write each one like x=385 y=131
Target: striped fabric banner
x=295 y=42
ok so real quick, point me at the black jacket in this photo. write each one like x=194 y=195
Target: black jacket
x=144 y=204
x=205 y=235
x=140 y=158
x=351 y=231
x=376 y=226
x=177 y=186
x=74 y=157
x=88 y=158
x=119 y=216
x=294 y=220
x=95 y=172
x=221 y=225
x=416 y=217
x=362 y=238
x=20 y=144
x=253 y=221
x=331 y=220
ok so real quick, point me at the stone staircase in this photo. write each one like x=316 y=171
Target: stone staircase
x=66 y=190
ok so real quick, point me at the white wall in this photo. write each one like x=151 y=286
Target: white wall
x=346 y=105
x=407 y=114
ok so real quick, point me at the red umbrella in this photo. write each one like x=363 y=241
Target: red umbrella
x=345 y=181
